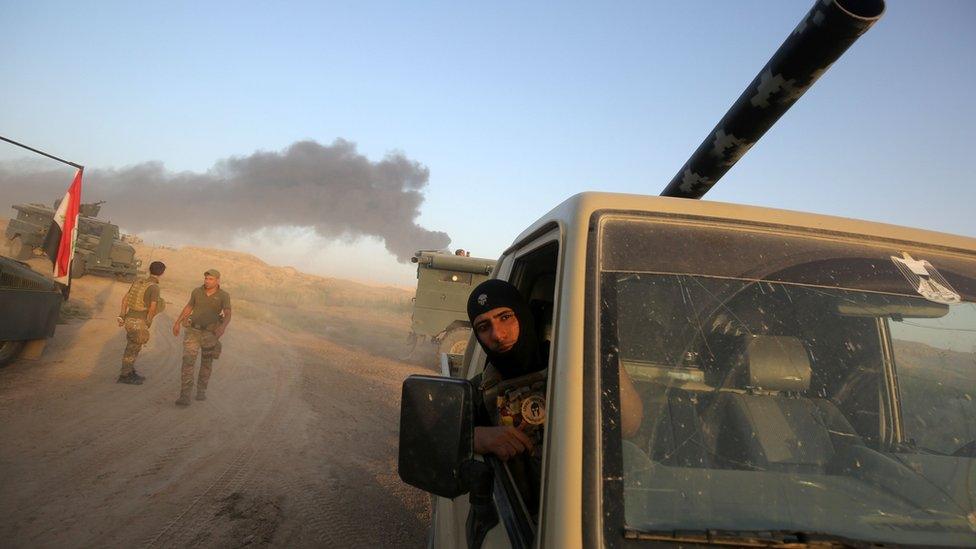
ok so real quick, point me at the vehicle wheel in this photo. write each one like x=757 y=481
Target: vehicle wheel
x=455 y=341
x=9 y=351
x=17 y=248
x=78 y=268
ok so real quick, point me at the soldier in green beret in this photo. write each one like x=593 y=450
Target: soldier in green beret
x=205 y=317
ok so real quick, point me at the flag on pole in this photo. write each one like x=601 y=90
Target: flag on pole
x=60 y=241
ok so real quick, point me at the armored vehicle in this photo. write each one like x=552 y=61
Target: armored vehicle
x=718 y=374
x=444 y=282
x=99 y=249
x=29 y=309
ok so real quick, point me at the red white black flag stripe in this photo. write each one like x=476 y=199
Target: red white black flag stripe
x=60 y=241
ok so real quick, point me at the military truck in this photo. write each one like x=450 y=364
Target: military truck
x=30 y=305
x=801 y=380
x=99 y=249
x=444 y=282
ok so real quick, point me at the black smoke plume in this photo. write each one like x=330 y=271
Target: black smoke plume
x=331 y=188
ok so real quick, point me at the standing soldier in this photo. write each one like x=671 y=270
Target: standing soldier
x=139 y=307
x=205 y=316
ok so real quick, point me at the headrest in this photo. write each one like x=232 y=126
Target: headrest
x=777 y=363
x=543 y=288
x=540 y=301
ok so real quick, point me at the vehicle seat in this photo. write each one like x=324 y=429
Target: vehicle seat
x=766 y=423
x=540 y=304
x=675 y=436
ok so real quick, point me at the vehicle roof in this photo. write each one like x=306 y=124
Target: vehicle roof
x=581 y=206
x=48 y=210
x=444 y=261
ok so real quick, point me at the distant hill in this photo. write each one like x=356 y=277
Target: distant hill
x=251 y=278
x=375 y=318
x=258 y=281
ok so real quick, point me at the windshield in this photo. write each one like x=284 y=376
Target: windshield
x=790 y=383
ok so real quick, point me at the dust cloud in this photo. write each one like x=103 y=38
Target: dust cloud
x=332 y=189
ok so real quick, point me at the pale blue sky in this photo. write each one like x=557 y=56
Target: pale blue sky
x=513 y=106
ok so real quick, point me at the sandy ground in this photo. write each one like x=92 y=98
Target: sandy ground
x=294 y=447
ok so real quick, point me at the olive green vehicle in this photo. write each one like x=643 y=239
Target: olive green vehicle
x=444 y=282
x=99 y=249
x=30 y=305
x=801 y=380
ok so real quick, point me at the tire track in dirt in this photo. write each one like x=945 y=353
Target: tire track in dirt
x=354 y=479
x=203 y=509
x=103 y=455
x=322 y=517
x=187 y=440
x=87 y=457
x=330 y=522
x=116 y=428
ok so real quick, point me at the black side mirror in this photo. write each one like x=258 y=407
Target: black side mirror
x=436 y=432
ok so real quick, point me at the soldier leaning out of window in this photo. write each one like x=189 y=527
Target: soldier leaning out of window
x=510 y=394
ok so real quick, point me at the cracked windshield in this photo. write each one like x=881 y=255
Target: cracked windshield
x=793 y=384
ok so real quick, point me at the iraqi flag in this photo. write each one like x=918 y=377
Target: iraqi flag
x=60 y=241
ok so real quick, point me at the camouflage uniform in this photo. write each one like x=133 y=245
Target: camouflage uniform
x=136 y=335
x=141 y=294
x=199 y=338
x=204 y=342
x=517 y=402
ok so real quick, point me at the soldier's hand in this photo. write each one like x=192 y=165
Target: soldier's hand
x=120 y=320
x=176 y=328
x=505 y=442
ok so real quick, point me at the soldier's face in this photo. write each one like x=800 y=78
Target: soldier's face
x=210 y=282
x=498 y=329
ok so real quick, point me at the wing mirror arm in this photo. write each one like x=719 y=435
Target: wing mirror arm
x=482 y=516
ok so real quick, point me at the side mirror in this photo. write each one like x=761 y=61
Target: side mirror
x=436 y=434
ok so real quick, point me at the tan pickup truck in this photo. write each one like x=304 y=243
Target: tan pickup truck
x=804 y=380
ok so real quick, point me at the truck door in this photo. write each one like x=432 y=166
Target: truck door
x=533 y=270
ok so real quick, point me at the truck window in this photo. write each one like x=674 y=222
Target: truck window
x=935 y=358
x=534 y=274
x=790 y=383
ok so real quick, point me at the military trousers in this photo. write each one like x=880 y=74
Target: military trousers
x=136 y=335
x=205 y=343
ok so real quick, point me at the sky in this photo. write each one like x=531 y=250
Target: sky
x=495 y=111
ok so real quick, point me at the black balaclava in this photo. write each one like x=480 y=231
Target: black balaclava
x=523 y=358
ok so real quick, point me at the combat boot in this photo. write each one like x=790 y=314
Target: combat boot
x=184 y=400
x=201 y=395
x=131 y=379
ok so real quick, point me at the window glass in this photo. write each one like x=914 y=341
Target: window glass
x=790 y=384
x=936 y=358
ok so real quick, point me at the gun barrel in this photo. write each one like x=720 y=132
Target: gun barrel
x=823 y=35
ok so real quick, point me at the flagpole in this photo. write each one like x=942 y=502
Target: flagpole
x=51 y=156
x=68 y=230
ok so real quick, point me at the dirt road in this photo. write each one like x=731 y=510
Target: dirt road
x=294 y=447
